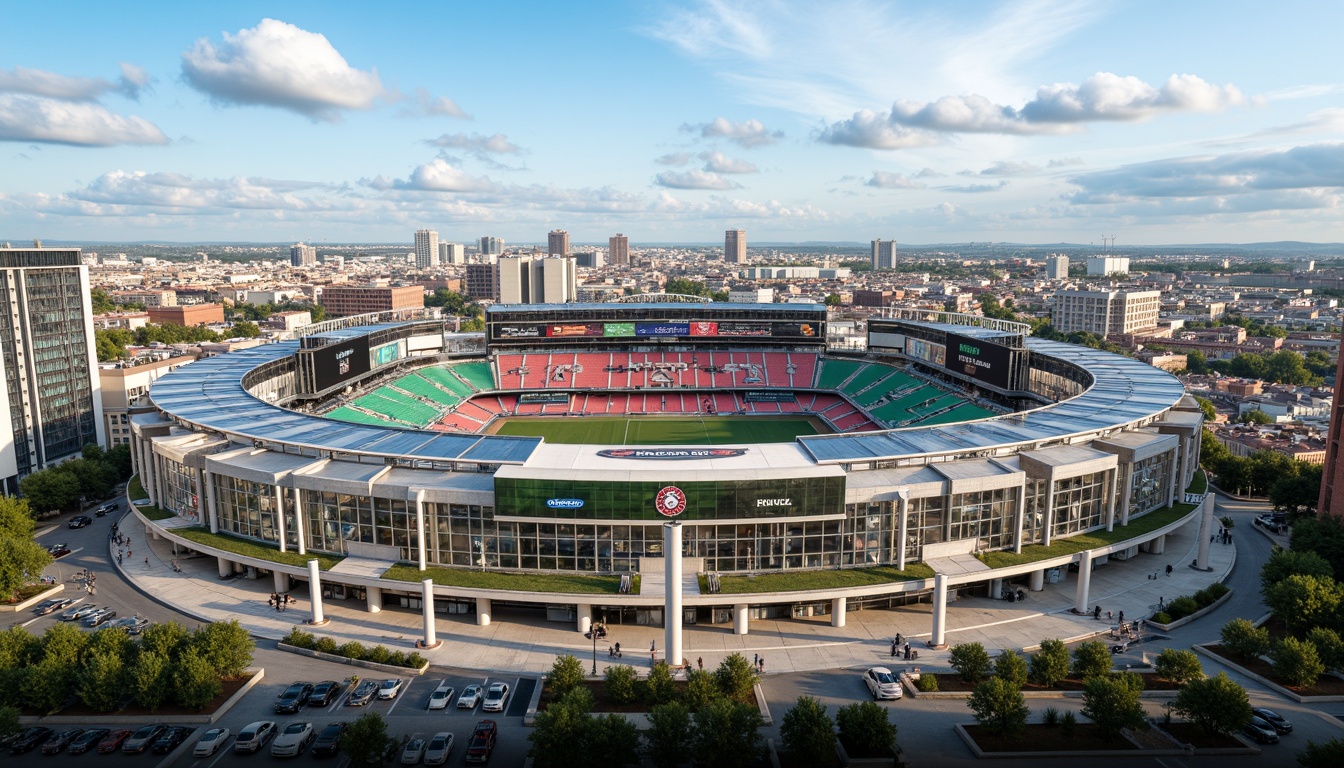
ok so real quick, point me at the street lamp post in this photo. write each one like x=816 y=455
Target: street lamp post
x=598 y=631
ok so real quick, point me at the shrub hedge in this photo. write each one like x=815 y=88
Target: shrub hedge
x=378 y=654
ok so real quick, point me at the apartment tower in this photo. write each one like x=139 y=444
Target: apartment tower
x=883 y=254
x=302 y=255
x=735 y=246
x=426 y=248
x=557 y=243
x=618 y=250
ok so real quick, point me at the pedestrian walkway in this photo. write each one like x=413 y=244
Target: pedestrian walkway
x=522 y=641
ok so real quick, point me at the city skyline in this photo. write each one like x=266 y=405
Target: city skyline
x=1025 y=122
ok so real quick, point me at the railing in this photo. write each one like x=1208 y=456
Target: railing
x=372 y=318
x=955 y=318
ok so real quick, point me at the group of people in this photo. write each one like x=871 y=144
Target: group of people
x=279 y=601
x=1223 y=536
x=902 y=648
x=759 y=661
x=89 y=581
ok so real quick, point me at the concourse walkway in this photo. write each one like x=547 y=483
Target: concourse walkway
x=522 y=641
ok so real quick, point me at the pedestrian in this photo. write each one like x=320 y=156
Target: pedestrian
x=898 y=638
x=1122 y=618
x=146 y=562
x=1109 y=615
x=755 y=659
x=761 y=665
x=893 y=649
x=118 y=558
x=1161 y=601
x=618 y=650
x=653 y=656
x=1168 y=569
x=700 y=663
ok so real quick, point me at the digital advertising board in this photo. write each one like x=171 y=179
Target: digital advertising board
x=518 y=331
x=618 y=329
x=662 y=329
x=704 y=328
x=743 y=329
x=336 y=363
x=574 y=329
x=794 y=329
x=979 y=359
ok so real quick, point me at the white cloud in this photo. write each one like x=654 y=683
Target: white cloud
x=50 y=121
x=1065 y=162
x=178 y=191
x=694 y=180
x=475 y=143
x=427 y=105
x=39 y=82
x=748 y=133
x=1010 y=168
x=886 y=180
x=675 y=158
x=437 y=175
x=280 y=65
x=717 y=162
x=872 y=130
x=975 y=189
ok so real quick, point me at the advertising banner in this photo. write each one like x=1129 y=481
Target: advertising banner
x=794 y=329
x=929 y=352
x=662 y=329
x=618 y=329
x=743 y=329
x=517 y=331
x=769 y=396
x=543 y=397
x=704 y=329
x=574 y=329
x=387 y=353
x=979 y=359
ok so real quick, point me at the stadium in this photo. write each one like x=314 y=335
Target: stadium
x=523 y=469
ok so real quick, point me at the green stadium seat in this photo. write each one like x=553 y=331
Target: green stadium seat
x=834 y=372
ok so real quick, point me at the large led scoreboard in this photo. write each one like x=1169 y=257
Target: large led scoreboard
x=628 y=325
x=981 y=356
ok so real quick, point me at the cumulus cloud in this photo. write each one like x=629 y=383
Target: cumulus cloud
x=694 y=180
x=887 y=180
x=972 y=189
x=39 y=82
x=748 y=133
x=675 y=158
x=873 y=130
x=280 y=65
x=426 y=105
x=178 y=191
x=929 y=173
x=717 y=162
x=84 y=124
x=1008 y=168
x=437 y=175
x=477 y=144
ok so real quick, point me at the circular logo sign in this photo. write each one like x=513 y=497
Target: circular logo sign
x=671 y=501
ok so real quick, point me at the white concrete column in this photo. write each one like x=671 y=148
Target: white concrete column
x=155 y=495
x=584 y=617
x=995 y=588
x=740 y=616
x=1159 y=545
x=482 y=611
x=281 y=528
x=225 y=567
x=1021 y=518
x=373 y=599
x=200 y=496
x=297 y=495
x=421 y=557
x=1110 y=499
x=281 y=581
x=938 y=637
x=1126 y=489
x=1080 y=596
x=211 y=506
x=135 y=452
x=315 y=592
x=902 y=527
x=672 y=605
x=429 y=640
x=1205 y=534
x=1037 y=581
x=1174 y=477
x=838 y=612
x=1048 y=521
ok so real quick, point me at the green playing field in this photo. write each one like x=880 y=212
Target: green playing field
x=712 y=430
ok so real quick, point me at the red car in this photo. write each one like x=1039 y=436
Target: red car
x=482 y=742
x=113 y=741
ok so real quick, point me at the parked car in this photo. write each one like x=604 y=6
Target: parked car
x=254 y=736
x=170 y=738
x=1279 y=722
x=105 y=509
x=482 y=742
x=99 y=618
x=293 y=740
x=79 y=521
x=51 y=606
x=329 y=740
x=293 y=698
x=1261 y=731
x=210 y=743
x=86 y=741
x=59 y=741
x=439 y=749
x=79 y=612
x=441 y=696
x=113 y=741
x=58 y=550
x=497 y=698
x=390 y=688
x=324 y=693
x=363 y=693
x=29 y=739
x=142 y=738
x=133 y=625
x=413 y=752
x=471 y=696
x=882 y=684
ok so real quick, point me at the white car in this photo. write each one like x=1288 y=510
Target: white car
x=390 y=688
x=293 y=740
x=496 y=698
x=440 y=748
x=254 y=736
x=882 y=684
x=414 y=750
x=471 y=696
x=441 y=696
x=211 y=742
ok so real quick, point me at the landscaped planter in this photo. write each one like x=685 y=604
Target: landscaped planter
x=388 y=668
x=1073 y=691
x=1039 y=735
x=862 y=762
x=1181 y=622
x=1288 y=692
x=255 y=675
x=24 y=605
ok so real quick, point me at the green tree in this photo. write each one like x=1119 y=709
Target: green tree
x=669 y=735
x=244 y=330
x=1329 y=646
x=168 y=638
x=195 y=682
x=16 y=518
x=566 y=674
x=701 y=688
x=727 y=735
x=808 y=733
x=612 y=736
x=1297 y=662
x=1297 y=495
x=225 y=645
x=51 y=489
x=150 y=678
x=833 y=300
x=561 y=730
x=866 y=729
x=1323 y=535
x=1113 y=702
x=1008 y=665
x=120 y=459
x=1302 y=602
x=1000 y=708
x=97 y=479
x=1256 y=416
x=620 y=683
x=1178 y=666
x=1206 y=405
x=101 y=681
x=366 y=739
x=9 y=721
x=971 y=661
x=1329 y=754
x=1283 y=563
x=1091 y=659
x=685 y=286
x=660 y=688
x=21 y=562
x=1050 y=664
x=736 y=677
x=1216 y=704
x=1244 y=639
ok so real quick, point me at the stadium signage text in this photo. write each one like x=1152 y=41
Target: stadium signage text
x=774 y=502
x=564 y=503
x=671 y=453
x=671 y=501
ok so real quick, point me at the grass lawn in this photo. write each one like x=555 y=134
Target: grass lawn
x=804 y=580
x=137 y=491
x=578 y=583
x=249 y=548
x=1137 y=527
x=658 y=430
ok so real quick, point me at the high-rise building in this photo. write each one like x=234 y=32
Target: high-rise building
x=426 y=248
x=452 y=253
x=1332 y=475
x=491 y=246
x=536 y=280
x=1057 y=267
x=589 y=259
x=1101 y=266
x=50 y=391
x=735 y=246
x=483 y=281
x=557 y=243
x=883 y=254
x=618 y=250
x=345 y=300
x=302 y=255
x=1105 y=312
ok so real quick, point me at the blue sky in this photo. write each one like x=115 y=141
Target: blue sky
x=1031 y=122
